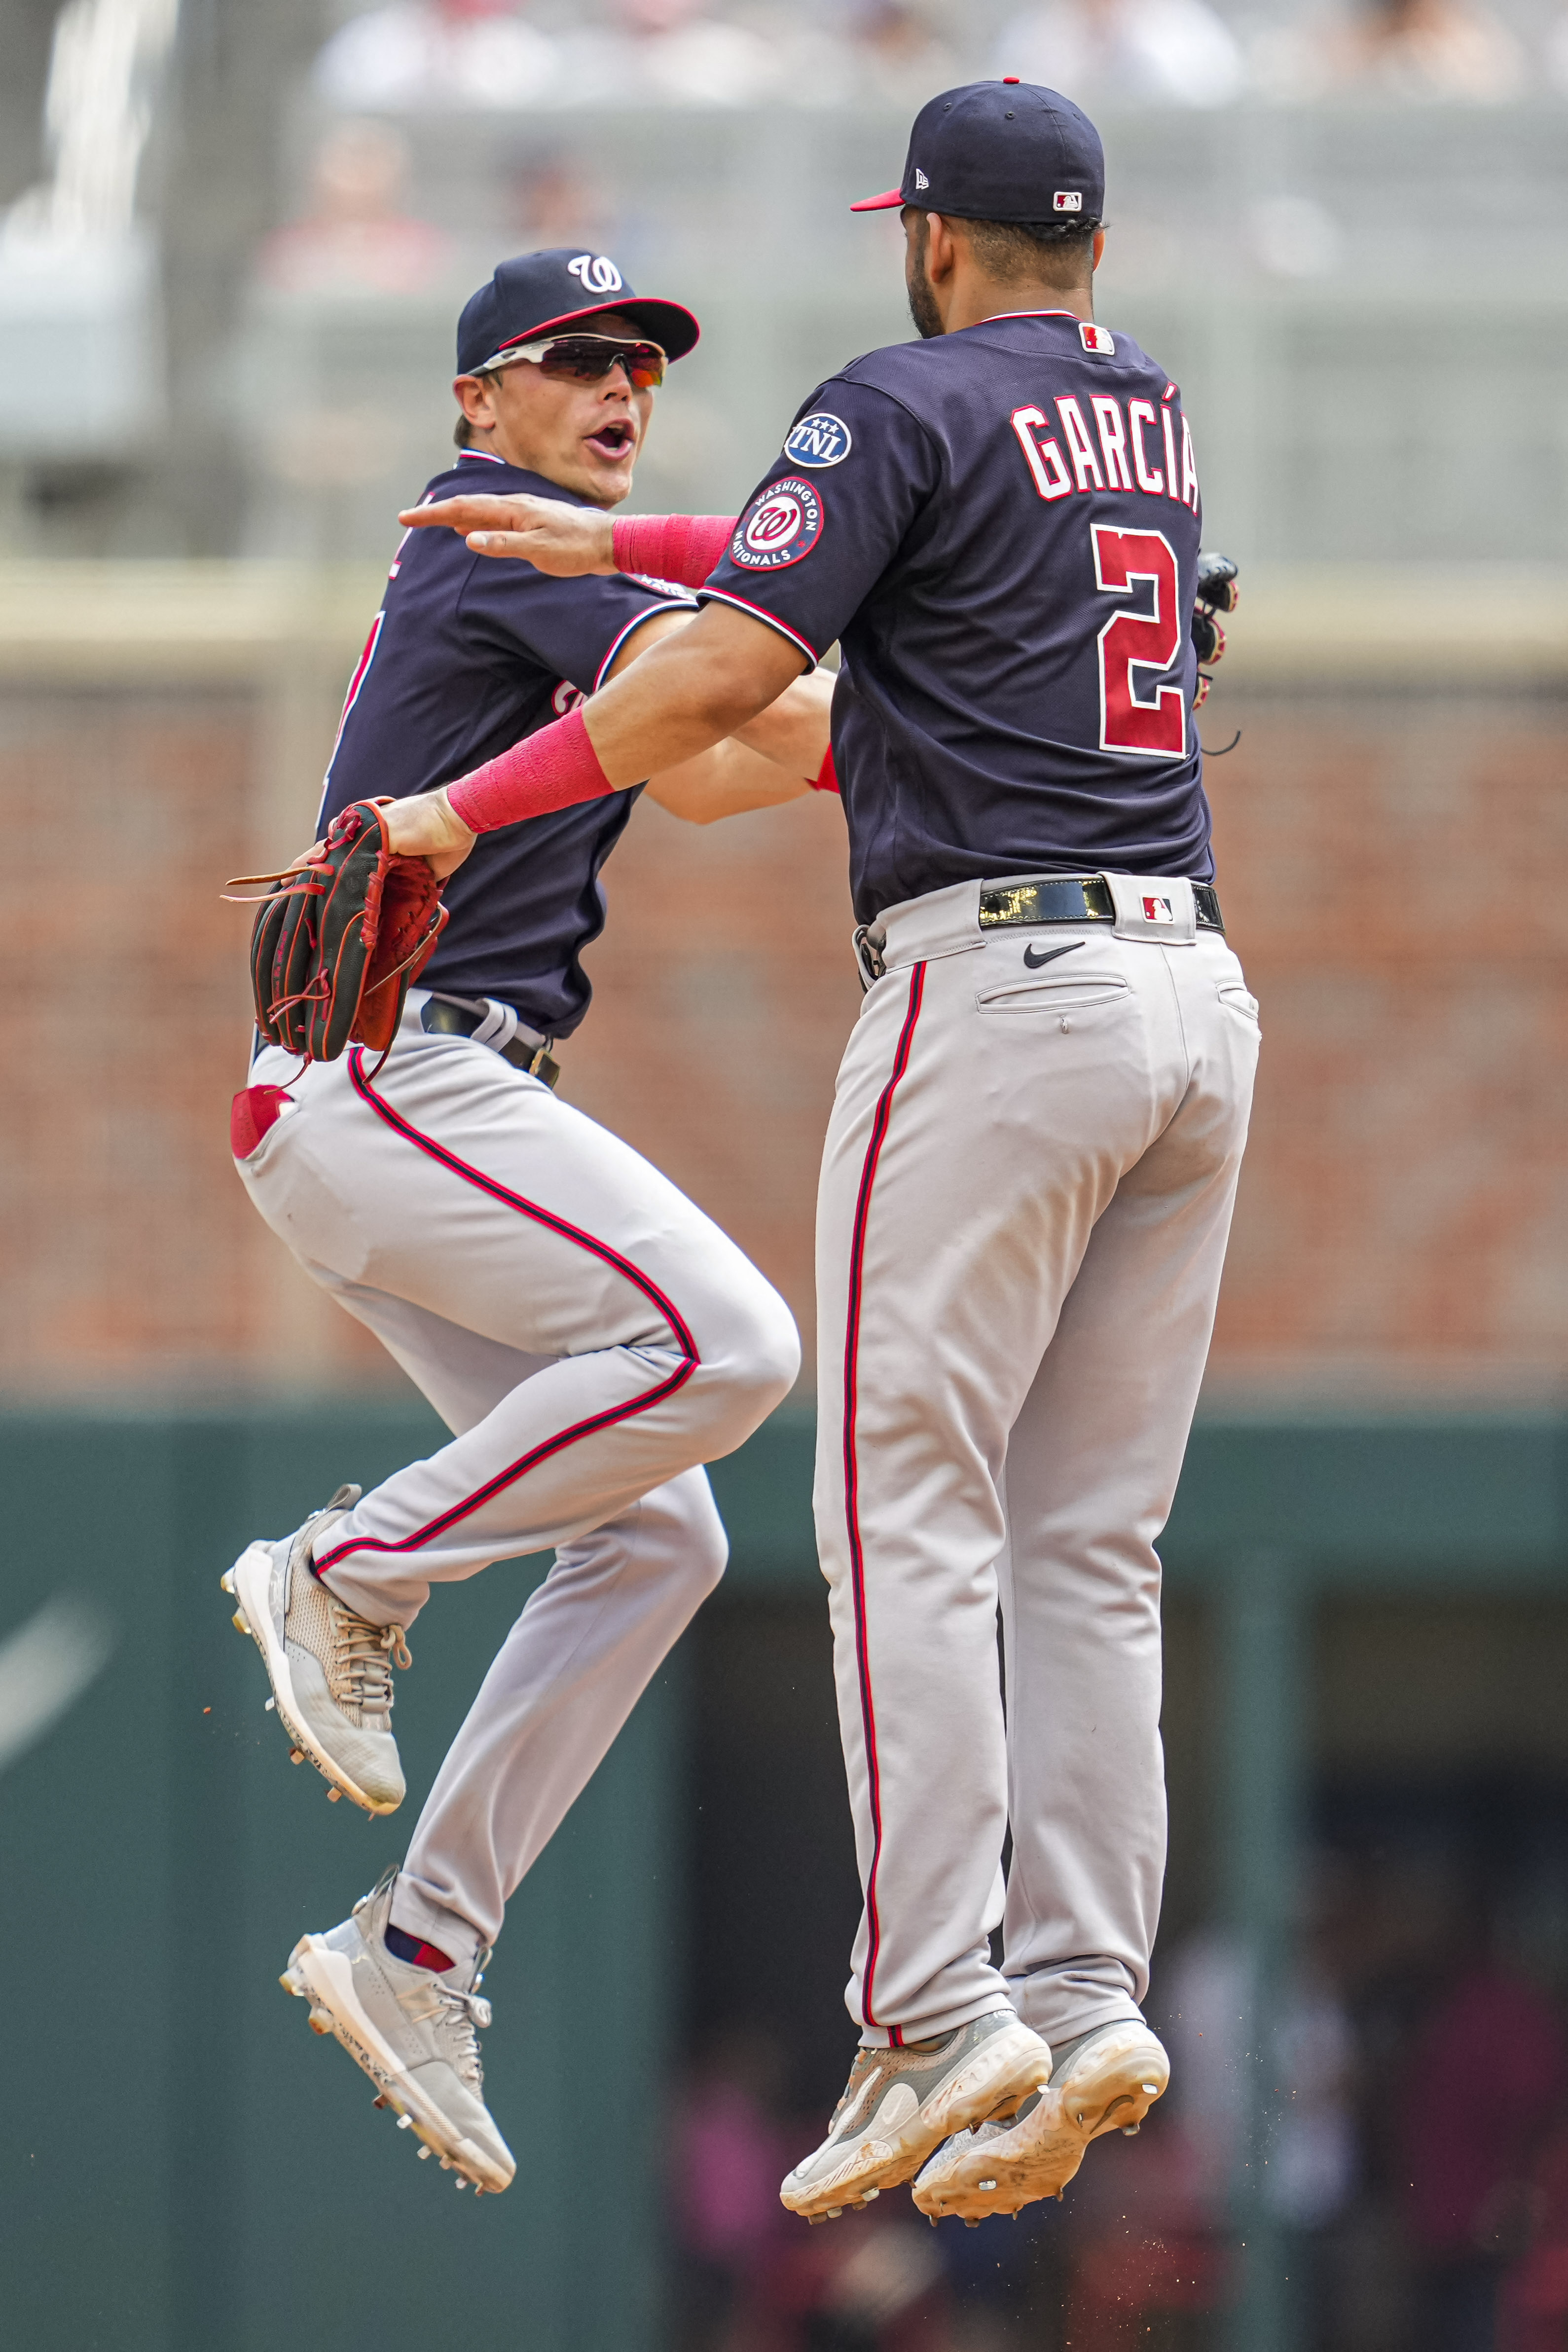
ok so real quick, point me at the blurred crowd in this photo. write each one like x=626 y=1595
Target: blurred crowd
x=1414 y=2155
x=450 y=55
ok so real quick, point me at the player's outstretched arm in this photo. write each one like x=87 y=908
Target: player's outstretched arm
x=572 y=541
x=705 y=681
x=566 y=541
x=774 y=757
x=728 y=781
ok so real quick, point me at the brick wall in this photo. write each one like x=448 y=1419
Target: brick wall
x=1387 y=870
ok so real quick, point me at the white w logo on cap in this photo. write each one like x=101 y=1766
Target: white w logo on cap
x=597 y=272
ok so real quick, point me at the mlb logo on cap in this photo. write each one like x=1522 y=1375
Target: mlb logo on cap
x=1068 y=200
x=1097 y=338
x=1158 y=910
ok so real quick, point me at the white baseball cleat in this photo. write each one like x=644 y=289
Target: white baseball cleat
x=899 y=2105
x=1105 y=2081
x=413 y=2033
x=331 y=1670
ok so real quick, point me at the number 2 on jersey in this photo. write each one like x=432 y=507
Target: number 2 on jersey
x=1129 y=641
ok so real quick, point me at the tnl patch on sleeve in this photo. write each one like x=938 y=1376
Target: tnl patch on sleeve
x=780 y=527
x=819 y=440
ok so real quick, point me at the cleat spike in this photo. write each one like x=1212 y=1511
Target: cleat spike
x=333 y=1795
x=968 y=2225
x=812 y=2220
x=1131 y=2131
x=871 y=2196
x=424 y=2152
x=932 y=2219
x=297 y=1756
x=461 y=2183
x=237 y=1621
x=267 y=1705
x=227 y=1580
x=380 y=2100
x=835 y=2212
x=404 y=2123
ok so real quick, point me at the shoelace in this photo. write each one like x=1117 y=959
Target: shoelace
x=365 y=1655
x=466 y=2015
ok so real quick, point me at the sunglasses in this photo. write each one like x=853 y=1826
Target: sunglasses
x=584 y=358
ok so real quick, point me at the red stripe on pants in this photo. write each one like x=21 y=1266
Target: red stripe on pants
x=548 y=1446
x=851 y=1482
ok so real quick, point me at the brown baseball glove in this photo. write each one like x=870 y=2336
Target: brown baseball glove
x=339 y=941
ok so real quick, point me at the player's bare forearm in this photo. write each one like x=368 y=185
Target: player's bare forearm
x=793 y=732
x=566 y=541
x=728 y=781
x=689 y=691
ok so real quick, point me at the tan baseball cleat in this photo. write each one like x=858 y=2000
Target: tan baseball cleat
x=415 y=2033
x=1105 y=2081
x=330 y=1669
x=899 y=2105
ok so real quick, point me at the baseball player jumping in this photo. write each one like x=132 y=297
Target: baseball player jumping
x=1030 y=1165
x=588 y=1336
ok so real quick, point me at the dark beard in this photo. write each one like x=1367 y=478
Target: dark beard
x=923 y=308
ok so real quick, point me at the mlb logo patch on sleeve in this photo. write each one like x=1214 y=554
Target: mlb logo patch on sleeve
x=779 y=527
x=1158 y=910
x=819 y=440
x=1097 y=338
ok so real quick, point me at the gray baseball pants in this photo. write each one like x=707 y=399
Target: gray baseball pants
x=1026 y=1194
x=591 y=1338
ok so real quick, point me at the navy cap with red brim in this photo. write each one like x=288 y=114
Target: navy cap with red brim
x=539 y=294
x=1001 y=151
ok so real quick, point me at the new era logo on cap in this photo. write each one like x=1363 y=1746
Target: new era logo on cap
x=920 y=179
x=1096 y=339
x=1068 y=200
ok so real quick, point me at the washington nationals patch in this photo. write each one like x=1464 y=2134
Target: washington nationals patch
x=779 y=527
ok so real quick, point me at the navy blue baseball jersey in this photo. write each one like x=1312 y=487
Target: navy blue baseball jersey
x=1000 y=526
x=465 y=657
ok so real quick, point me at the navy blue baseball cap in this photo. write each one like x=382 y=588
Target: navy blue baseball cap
x=1001 y=151
x=547 y=294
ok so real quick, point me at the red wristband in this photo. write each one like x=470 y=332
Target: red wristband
x=552 y=769
x=826 y=779
x=683 y=548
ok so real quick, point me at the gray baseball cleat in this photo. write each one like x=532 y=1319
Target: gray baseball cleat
x=1105 y=2081
x=411 y=2031
x=899 y=2105
x=330 y=1669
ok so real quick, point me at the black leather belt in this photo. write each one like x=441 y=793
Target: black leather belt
x=441 y=1018
x=1075 y=898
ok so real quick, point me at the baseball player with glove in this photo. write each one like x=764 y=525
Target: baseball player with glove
x=589 y=1336
x=1029 y=1170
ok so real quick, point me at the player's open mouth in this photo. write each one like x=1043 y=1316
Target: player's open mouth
x=613 y=441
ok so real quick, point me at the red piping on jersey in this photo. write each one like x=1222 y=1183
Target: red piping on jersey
x=636 y=621
x=690 y=1360
x=851 y=1484
x=723 y=596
